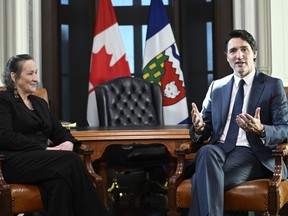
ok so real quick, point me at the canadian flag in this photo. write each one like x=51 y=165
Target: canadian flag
x=108 y=59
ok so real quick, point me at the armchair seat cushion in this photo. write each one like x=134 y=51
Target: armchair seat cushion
x=25 y=198
x=183 y=194
x=241 y=196
x=251 y=195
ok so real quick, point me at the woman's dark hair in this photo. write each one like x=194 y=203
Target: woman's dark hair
x=14 y=64
x=244 y=35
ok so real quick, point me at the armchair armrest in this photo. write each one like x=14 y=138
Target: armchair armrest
x=177 y=177
x=5 y=198
x=3 y=185
x=97 y=179
x=282 y=149
x=181 y=152
x=280 y=154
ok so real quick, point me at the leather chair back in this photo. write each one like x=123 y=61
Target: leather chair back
x=129 y=101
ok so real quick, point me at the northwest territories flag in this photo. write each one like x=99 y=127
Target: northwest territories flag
x=161 y=65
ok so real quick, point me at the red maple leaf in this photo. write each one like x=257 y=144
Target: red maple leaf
x=101 y=71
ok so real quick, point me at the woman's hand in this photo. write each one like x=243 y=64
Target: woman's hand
x=65 y=146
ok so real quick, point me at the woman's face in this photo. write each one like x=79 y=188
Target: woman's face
x=26 y=82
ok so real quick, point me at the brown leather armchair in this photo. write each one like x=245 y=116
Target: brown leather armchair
x=23 y=198
x=268 y=196
x=263 y=195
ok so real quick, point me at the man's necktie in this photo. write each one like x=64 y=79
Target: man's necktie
x=232 y=134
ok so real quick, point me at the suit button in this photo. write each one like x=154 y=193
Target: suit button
x=39 y=132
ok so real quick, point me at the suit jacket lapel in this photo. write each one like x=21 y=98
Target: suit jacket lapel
x=256 y=91
x=226 y=96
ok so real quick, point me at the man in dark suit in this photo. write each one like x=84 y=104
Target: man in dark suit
x=262 y=124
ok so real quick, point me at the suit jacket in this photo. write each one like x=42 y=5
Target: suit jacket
x=266 y=92
x=22 y=129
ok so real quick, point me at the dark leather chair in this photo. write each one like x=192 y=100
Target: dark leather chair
x=24 y=198
x=268 y=196
x=130 y=102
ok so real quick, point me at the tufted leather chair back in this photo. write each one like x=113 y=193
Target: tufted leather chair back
x=129 y=101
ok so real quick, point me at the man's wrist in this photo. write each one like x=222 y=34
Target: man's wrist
x=197 y=132
x=262 y=132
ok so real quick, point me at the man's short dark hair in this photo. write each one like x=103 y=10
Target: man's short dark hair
x=244 y=35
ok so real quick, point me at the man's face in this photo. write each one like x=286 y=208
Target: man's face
x=240 y=57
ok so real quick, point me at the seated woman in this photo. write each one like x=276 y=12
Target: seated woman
x=38 y=150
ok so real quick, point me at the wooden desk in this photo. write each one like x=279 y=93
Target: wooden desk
x=99 y=138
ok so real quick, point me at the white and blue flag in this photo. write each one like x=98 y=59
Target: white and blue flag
x=161 y=65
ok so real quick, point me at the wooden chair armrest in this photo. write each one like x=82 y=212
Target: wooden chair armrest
x=2 y=180
x=177 y=177
x=175 y=180
x=97 y=179
x=180 y=167
x=283 y=148
x=181 y=152
x=280 y=154
x=189 y=147
x=84 y=150
x=4 y=187
x=276 y=179
x=277 y=175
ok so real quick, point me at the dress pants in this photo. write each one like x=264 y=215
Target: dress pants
x=216 y=172
x=65 y=185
